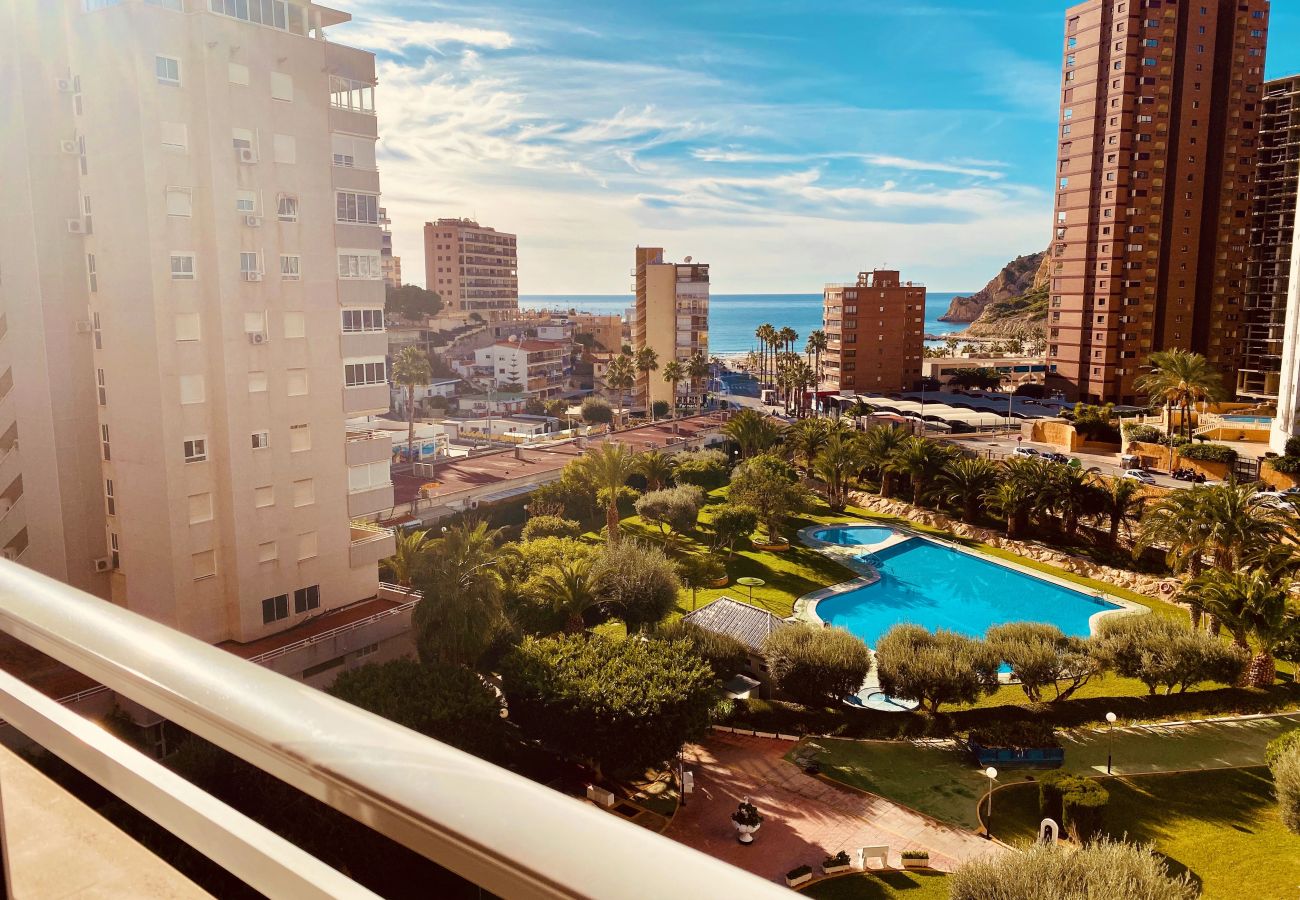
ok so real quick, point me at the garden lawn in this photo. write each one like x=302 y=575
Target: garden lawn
x=1221 y=825
x=908 y=885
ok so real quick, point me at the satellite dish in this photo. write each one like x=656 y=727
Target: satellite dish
x=688 y=259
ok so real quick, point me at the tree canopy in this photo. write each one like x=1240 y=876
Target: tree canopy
x=412 y=302
x=816 y=666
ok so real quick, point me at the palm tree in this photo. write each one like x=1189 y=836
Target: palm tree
x=1120 y=501
x=1179 y=378
x=880 y=445
x=1251 y=603
x=841 y=458
x=752 y=431
x=766 y=335
x=966 y=482
x=458 y=616
x=921 y=460
x=569 y=590
x=656 y=467
x=410 y=547
x=1015 y=500
x=608 y=466
x=806 y=438
x=1239 y=525
x=647 y=361
x=674 y=373
x=1071 y=494
x=817 y=344
x=698 y=369
x=411 y=369
x=620 y=375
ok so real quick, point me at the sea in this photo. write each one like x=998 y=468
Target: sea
x=734 y=317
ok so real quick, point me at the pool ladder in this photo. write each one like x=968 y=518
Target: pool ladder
x=872 y=560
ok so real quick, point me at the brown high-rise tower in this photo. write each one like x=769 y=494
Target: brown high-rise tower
x=1159 y=110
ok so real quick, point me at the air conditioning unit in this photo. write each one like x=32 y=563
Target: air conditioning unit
x=257 y=337
x=247 y=155
x=76 y=226
x=103 y=564
x=72 y=148
x=65 y=85
x=253 y=221
x=252 y=276
x=84 y=326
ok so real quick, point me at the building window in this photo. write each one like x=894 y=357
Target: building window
x=304 y=492
x=205 y=564
x=295 y=325
x=267 y=552
x=307 y=545
x=104 y=444
x=357 y=209
x=264 y=496
x=110 y=502
x=92 y=277
x=289 y=268
x=281 y=86
x=245 y=202
x=272 y=13
x=275 y=608
x=287 y=208
x=175 y=136
x=168 y=70
x=261 y=440
x=100 y=387
x=182 y=266
x=256 y=382
x=250 y=267
x=358 y=96
x=299 y=438
x=180 y=202
x=196 y=450
x=360 y=374
x=297 y=382
x=191 y=389
x=360 y=264
x=285 y=149
x=362 y=320
x=306 y=599
x=369 y=477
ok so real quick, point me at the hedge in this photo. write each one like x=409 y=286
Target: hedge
x=1018 y=735
x=1287 y=465
x=1209 y=453
x=1083 y=806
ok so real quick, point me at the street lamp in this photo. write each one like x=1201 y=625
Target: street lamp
x=1110 y=744
x=992 y=774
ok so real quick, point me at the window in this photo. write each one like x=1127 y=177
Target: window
x=204 y=563
x=267 y=552
x=299 y=438
x=289 y=268
x=306 y=599
x=353 y=152
x=175 y=136
x=250 y=267
x=304 y=492
x=361 y=373
x=246 y=202
x=182 y=267
x=275 y=608
x=100 y=387
x=92 y=276
x=104 y=444
x=167 y=69
x=287 y=208
x=187 y=327
x=238 y=74
x=272 y=13
x=264 y=496
x=306 y=545
x=354 y=208
x=256 y=382
x=358 y=96
x=360 y=264
x=241 y=138
x=369 y=477
x=364 y=320
x=261 y=440
x=200 y=508
x=180 y=202
x=281 y=86
x=110 y=501
x=286 y=149
x=297 y=382
x=295 y=325
x=191 y=389
x=196 y=450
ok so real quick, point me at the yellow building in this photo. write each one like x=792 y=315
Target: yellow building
x=671 y=316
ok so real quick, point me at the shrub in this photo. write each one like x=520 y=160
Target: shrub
x=1209 y=453
x=660 y=408
x=1111 y=869
x=816 y=666
x=1161 y=652
x=915 y=854
x=799 y=872
x=597 y=411
x=1019 y=735
x=550 y=526
x=1287 y=465
x=635 y=582
x=1292 y=447
x=731 y=525
x=725 y=655
x=839 y=859
x=1083 y=808
x=1146 y=434
x=768 y=485
x=1286 y=782
x=934 y=669
x=1043 y=656
x=1281 y=744
x=676 y=508
x=747 y=814
x=1051 y=788
x=705 y=469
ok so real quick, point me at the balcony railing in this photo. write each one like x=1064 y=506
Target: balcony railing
x=511 y=836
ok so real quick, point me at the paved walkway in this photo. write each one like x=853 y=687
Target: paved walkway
x=805 y=819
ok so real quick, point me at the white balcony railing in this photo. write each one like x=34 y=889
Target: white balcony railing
x=511 y=836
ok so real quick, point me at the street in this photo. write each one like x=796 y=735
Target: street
x=1106 y=463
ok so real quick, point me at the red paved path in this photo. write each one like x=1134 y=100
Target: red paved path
x=805 y=819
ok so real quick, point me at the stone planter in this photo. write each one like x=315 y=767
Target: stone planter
x=773 y=548
x=796 y=877
x=720 y=582
x=920 y=862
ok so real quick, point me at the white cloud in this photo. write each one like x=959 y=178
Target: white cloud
x=385 y=35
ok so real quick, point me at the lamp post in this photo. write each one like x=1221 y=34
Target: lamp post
x=1110 y=743
x=992 y=774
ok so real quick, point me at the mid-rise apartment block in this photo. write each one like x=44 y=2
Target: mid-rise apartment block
x=875 y=333
x=1277 y=176
x=1158 y=137
x=190 y=249
x=475 y=269
x=671 y=317
x=389 y=263
x=540 y=368
x=606 y=330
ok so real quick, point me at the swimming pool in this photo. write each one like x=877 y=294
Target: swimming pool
x=1249 y=420
x=928 y=584
x=855 y=535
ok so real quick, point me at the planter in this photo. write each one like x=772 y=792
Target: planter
x=1018 y=757
x=720 y=582
x=920 y=862
x=837 y=870
x=773 y=548
x=796 y=877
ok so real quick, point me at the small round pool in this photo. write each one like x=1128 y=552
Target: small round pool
x=855 y=535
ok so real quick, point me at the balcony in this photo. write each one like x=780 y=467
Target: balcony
x=370 y=543
x=365 y=400
x=510 y=836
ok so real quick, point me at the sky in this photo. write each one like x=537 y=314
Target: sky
x=786 y=143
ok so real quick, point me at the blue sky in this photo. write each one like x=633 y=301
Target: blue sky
x=786 y=143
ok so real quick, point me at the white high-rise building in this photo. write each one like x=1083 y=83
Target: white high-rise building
x=191 y=308
x=1286 y=423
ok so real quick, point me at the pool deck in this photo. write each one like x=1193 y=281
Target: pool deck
x=805 y=608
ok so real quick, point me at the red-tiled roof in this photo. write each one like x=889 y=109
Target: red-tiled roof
x=533 y=346
x=335 y=618
x=47 y=675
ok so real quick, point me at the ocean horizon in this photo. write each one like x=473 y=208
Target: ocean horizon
x=733 y=318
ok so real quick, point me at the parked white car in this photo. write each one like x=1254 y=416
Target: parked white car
x=1139 y=475
x=1026 y=451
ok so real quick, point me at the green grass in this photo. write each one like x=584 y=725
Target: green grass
x=909 y=885
x=1222 y=826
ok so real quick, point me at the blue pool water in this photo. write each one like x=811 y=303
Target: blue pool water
x=927 y=584
x=855 y=535
x=1249 y=420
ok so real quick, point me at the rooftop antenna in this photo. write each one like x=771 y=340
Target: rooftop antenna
x=688 y=259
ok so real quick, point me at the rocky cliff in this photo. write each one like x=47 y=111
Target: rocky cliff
x=1016 y=279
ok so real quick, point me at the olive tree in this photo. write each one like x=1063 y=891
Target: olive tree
x=1042 y=656
x=935 y=668
x=770 y=486
x=635 y=582
x=816 y=666
x=1160 y=652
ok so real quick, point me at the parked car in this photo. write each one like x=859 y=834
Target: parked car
x=1027 y=451
x=1139 y=475
x=1286 y=499
x=1057 y=457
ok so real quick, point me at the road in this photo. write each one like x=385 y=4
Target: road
x=1106 y=463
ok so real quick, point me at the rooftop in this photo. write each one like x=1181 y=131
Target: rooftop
x=747 y=624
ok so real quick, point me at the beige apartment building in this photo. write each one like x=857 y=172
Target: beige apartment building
x=671 y=316
x=191 y=286
x=1157 y=139
x=875 y=334
x=606 y=330
x=474 y=268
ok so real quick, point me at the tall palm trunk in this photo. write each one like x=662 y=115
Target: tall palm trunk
x=1262 y=671
x=410 y=423
x=611 y=522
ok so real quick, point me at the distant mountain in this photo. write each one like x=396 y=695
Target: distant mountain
x=1017 y=278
